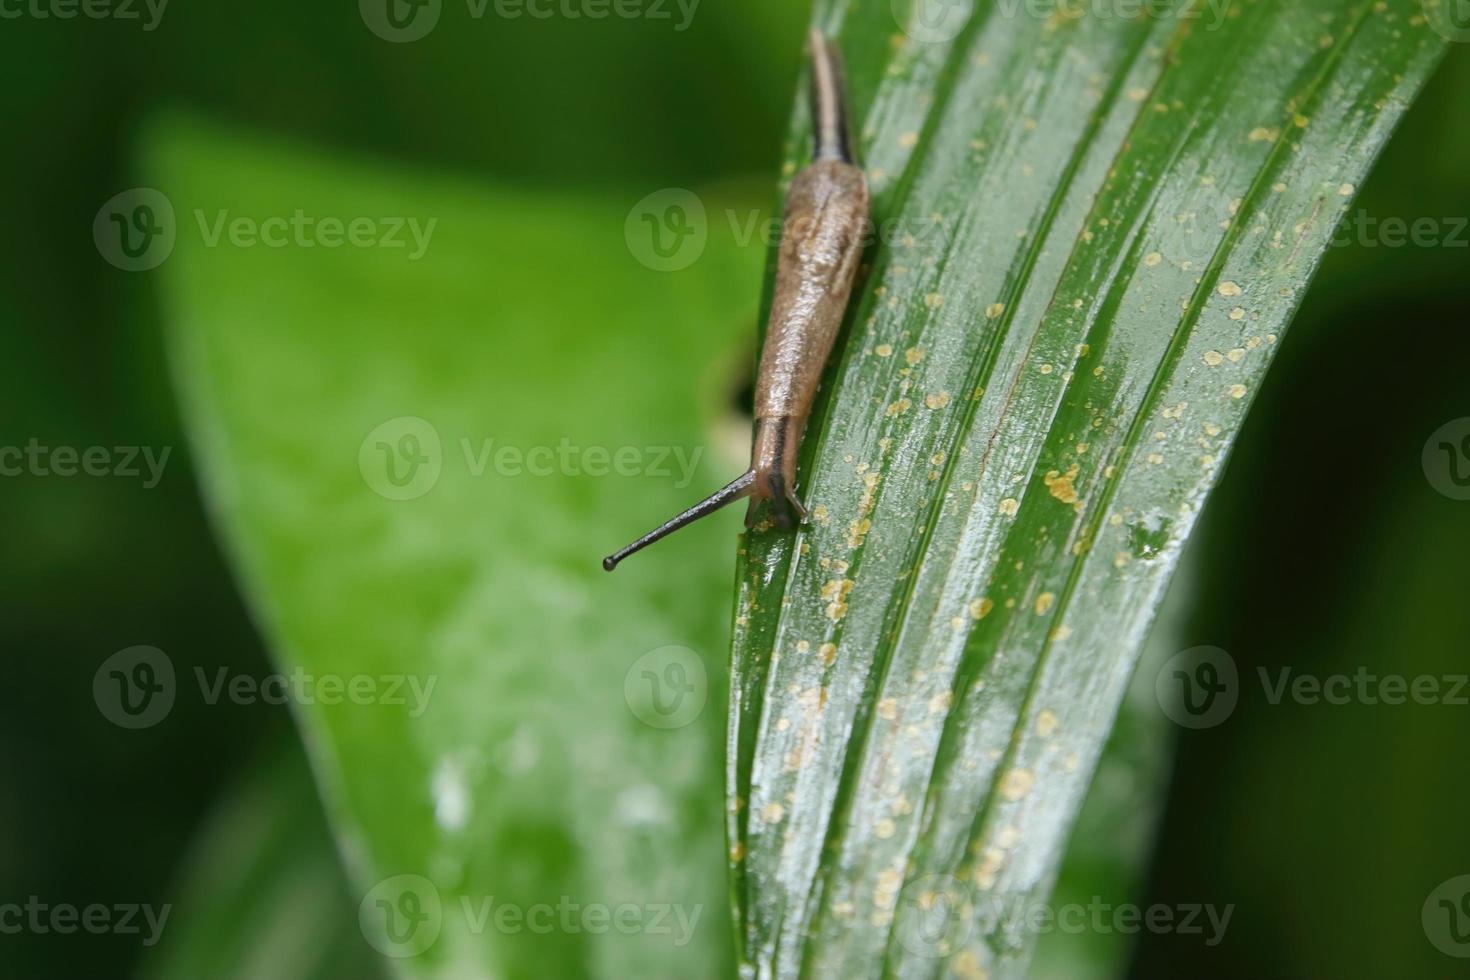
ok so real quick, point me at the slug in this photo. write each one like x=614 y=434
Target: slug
x=824 y=225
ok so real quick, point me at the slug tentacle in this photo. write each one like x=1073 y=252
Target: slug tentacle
x=740 y=487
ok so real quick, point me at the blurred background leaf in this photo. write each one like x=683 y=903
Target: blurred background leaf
x=523 y=769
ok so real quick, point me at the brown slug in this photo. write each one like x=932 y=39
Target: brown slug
x=824 y=225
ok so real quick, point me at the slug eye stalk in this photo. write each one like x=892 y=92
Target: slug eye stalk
x=741 y=487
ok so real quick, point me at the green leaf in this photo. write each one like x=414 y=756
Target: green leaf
x=1112 y=843
x=1093 y=232
x=530 y=775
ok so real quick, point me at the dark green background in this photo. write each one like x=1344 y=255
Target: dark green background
x=1325 y=548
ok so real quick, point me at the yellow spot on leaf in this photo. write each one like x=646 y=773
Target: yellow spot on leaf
x=835 y=593
x=1046 y=722
x=1061 y=486
x=1016 y=783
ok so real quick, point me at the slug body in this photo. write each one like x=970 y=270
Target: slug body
x=823 y=228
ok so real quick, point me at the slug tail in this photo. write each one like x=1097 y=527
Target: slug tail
x=830 y=135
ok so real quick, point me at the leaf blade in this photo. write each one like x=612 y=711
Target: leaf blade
x=982 y=578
